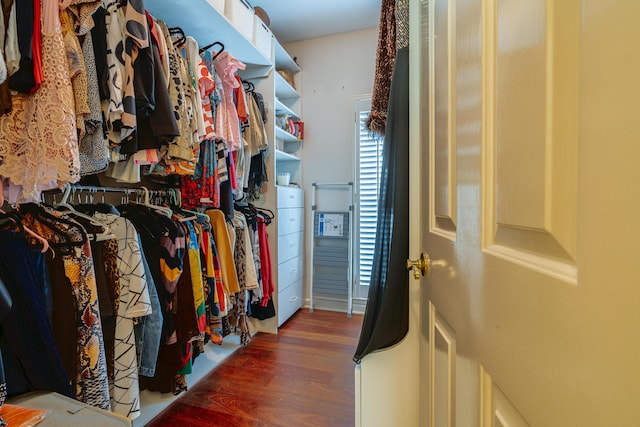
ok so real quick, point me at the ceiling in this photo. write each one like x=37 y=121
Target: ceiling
x=295 y=20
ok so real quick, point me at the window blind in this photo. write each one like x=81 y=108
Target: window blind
x=369 y=167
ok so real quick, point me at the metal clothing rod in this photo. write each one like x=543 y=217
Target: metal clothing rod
x=105 y=189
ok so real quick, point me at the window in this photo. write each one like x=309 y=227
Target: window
x=368 y=168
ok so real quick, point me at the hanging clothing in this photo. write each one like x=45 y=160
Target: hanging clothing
x=3 y=68
x=227 y=124
x=225 y=251
x=105 y=257
x=114 y=108
x=99 y=38
x=134 y=302
x=385 y=59
x=159 y=125
x=26 y=338
x=23 y=80
x=247 y=278
x=212 y=292
x=193 y=252
x=163 y=242
x=148 y=329
x=203 y=187
x=265 y=261
x=207 y=86
x=77 y=71
x=39 y=148
x=73 y=269
x=386 y=318
x=180 y=92
x=94 y=155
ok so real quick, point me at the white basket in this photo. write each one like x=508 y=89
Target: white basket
x=217 y=5
x=240 y=13
x=262 y=37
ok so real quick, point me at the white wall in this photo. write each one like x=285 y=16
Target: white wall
x=335 y=69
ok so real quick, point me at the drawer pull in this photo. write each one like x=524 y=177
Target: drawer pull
x=294 y=271
x=291 y=245
x=293 y=299
x=291 y=196
x=292 y=220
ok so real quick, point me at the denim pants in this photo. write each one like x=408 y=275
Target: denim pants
x=148 y=330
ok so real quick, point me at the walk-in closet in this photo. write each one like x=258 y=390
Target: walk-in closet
x=157 y=161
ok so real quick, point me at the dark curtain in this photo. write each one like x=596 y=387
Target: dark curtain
x=386 y=318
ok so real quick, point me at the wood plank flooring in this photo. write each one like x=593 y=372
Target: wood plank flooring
x=303 y=376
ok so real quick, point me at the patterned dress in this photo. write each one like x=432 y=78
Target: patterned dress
x=134 y=302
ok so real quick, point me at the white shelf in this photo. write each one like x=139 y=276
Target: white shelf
x=283 y=109
x=284 y=60
x=284 y=90
x=282 y=156
x=204 y=23
x=285 y=136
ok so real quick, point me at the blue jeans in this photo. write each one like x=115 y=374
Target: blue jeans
x=149 y=328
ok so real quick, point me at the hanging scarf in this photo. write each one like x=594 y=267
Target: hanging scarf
x=385 y=59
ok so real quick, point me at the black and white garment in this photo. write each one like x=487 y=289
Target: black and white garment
x=134 y=302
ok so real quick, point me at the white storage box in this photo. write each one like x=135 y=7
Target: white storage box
x=262 y=37
x=217 y=5
x=240 y=13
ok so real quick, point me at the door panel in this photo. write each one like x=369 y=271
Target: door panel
x=443 y=356
x=499 y=412
x=443 y=112
x=529 y=119
x=530 y=312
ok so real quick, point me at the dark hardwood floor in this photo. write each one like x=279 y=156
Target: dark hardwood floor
x=303 y=376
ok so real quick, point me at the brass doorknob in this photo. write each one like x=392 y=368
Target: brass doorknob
x=422 y=265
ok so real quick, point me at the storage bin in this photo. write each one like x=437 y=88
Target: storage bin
x=262 y=37
x=240 y=13
x=217 y=5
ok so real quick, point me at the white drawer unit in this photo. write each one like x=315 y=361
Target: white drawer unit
x=289 y=272
x=290 y=197
x=290 y=259
x=290 y=220
x=290 y=246
x=289 y=301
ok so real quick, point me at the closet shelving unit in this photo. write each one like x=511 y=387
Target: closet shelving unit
x=202 y=21
x=207 y=24
x=289 y=199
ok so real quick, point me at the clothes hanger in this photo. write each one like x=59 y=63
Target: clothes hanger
x=50 y=221
x=250 y=88
x=209 y=46
x=181 y=40
x=267 y=212
x=267 y=215
x=147 y=203
x=98 y=237
x=177 y=199
x=16 y=220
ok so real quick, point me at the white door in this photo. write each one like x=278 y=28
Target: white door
x=527 y=117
